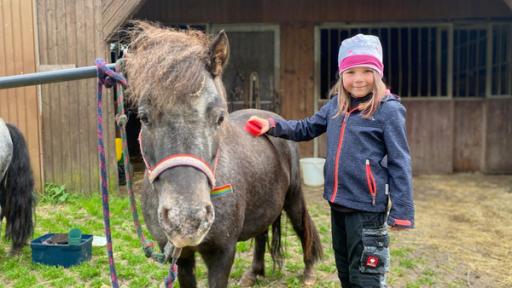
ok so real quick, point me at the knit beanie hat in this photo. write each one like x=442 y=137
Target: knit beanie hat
x=361 y=50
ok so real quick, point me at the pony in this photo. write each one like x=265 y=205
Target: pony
x=208 y=183
x=16 y=187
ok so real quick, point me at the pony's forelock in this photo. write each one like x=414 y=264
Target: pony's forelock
x=165 y=66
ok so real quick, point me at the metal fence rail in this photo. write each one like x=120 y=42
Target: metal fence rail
x=49 y=76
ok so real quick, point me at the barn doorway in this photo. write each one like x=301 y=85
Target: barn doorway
x=251 y=77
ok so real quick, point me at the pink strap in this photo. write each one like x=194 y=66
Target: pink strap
x=177 y=160
x=181 y=160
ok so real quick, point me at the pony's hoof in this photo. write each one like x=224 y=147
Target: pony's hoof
x=248 y=279
x=309 y=279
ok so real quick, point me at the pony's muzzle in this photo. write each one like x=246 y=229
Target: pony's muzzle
x=186 y=226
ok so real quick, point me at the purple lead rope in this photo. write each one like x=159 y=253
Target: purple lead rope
x=100 y=64
x=108 y=78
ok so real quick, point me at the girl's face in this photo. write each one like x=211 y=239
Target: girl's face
x=358 y=81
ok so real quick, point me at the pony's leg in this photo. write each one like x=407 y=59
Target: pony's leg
x=186 y=265
x=295 y=207
x=219 y=261
x=258 y=262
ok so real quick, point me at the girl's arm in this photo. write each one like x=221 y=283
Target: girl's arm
x=400 y=172
x=305 y=129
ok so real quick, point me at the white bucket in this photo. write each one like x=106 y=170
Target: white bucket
x=312 y=171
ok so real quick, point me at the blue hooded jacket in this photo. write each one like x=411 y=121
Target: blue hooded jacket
x=354 y=172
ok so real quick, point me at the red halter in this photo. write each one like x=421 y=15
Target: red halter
x=175 y=160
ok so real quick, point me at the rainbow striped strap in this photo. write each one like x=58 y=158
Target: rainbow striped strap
x=219 y=191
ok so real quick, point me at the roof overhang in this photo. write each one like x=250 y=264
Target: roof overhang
x=509 y=3
x=115 y=13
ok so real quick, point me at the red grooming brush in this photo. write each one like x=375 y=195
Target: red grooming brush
x=253 y=126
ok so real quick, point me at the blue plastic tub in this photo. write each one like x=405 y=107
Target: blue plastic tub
x=61 y=255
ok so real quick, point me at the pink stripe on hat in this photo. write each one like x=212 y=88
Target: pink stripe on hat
x=361 y=61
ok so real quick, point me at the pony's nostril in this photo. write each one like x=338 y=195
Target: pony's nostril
x=165 y=218
x=209 y=212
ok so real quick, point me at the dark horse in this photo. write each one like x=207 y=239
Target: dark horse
x=16 y=187
x=190 y=145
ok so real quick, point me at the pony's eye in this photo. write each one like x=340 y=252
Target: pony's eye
x=143 y=117
x=220 y=120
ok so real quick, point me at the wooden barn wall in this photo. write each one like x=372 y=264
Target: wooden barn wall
x=442 y=139
x=498 y=136
x=18 y=56
x=430 y=132
x=483 y=135
x=296 y=83
x=282 y=11
x=460 y=135
x=468 y=135
x=70 y=35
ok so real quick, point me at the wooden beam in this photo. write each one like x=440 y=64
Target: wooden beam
x=509 y=3
x=115 y=13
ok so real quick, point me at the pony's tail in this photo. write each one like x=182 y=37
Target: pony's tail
x=17 y=193
x=312 y=246
x=295 y=206
x=276 y=249
x=304 y=226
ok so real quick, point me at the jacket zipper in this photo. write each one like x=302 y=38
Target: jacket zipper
x=370 y=180
x=338 y=154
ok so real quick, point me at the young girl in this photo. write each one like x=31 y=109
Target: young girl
x=365 y=124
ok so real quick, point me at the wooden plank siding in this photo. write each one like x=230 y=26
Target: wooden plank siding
x=285 y=11
x=296 y=83
x=430 y=133
x=60 y=125
x=442 y=139
x=498 y=136
x=468 y=132
x=70 y=35
x=20 y=106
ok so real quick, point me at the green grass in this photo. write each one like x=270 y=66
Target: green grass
x=55 y=194
x=59 y=215
x=63 y=210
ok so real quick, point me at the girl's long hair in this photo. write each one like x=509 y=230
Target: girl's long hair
x=367 y=108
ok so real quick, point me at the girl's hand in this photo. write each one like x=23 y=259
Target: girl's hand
x=257 y=126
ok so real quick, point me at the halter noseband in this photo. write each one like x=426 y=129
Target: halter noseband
x=177 y=160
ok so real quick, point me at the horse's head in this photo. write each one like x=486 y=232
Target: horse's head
x=175 y=78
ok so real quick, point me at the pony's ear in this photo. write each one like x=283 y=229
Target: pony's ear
x=219 y=53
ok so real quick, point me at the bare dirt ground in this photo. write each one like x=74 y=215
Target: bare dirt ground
x=463 y=230
x=465 y=225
